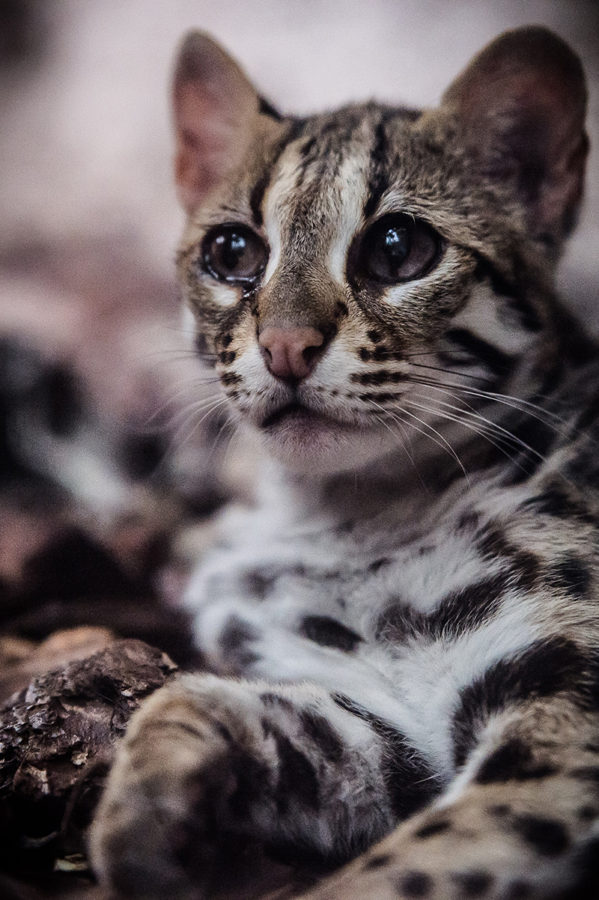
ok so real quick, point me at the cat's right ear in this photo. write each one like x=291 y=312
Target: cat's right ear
x=214 y=105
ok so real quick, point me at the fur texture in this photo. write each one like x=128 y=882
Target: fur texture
x=403 y=630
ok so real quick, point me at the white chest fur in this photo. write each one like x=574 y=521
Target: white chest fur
x=301 y=593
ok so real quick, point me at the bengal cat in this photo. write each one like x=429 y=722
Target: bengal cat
x=402 y=632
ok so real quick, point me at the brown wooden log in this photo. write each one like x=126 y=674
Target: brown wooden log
x=57 y=738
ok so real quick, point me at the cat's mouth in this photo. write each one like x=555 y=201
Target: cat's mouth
x=293 y=411
x=314 y=441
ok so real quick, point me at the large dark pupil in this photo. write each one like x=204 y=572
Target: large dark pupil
x=396 y=246
x=232 y=249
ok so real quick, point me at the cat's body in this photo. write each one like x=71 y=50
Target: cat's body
x=410 y=610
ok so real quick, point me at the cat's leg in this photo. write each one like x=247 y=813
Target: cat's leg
x=521 y=820
x=208 y=761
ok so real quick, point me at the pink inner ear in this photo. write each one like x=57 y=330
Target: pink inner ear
x=213 y=106
x=522 y=106
x=206 y=148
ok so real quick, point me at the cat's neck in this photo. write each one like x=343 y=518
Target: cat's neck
x=395 y=480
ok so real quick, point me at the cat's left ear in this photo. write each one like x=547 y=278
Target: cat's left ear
x=521 y=105
x=214 y=105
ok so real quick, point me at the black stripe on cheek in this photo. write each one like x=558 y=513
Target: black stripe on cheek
x=538 y=437
x=556 y=502
x=544 y=669
x=229 y=379
x=527 y=314
x=494 y=359
x=329 y=633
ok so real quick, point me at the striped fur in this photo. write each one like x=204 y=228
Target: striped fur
x=403 y=630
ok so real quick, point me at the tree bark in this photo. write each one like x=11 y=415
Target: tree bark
x=57 y=739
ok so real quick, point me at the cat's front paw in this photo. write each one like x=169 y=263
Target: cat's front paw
x=157 y=832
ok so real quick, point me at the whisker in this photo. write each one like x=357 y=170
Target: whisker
x=480 y=429
x=453 y=372
x=440 y=440
x=498 y=437
x=516 y=403
x=181 y=439
x=192 y=409
x=404 y=443
x=173 y=403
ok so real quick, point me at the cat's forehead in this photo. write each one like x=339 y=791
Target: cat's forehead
x=368 y=136
x=333 y=162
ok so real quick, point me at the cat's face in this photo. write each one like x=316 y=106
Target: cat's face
x=358 y=279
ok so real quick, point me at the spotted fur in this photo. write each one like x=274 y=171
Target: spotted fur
x=403 y=630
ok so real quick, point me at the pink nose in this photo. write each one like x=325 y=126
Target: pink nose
x=291 y=353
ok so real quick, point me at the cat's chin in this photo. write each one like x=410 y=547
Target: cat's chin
x=321 y=446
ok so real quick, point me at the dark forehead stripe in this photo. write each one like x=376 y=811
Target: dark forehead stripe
x=378 y=179
x=257 y=195
x=380 y=175
x=326 y=144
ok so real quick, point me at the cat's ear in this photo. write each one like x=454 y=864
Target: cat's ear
x=213 y=108
x=521 y=104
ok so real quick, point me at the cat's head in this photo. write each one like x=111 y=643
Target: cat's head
x=362 y=277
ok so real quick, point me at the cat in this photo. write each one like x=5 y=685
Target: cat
x=402 y=632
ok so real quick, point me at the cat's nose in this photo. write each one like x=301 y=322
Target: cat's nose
x=291 y=353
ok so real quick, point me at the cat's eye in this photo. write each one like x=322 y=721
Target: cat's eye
x=234 y=253
x=397 y=248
